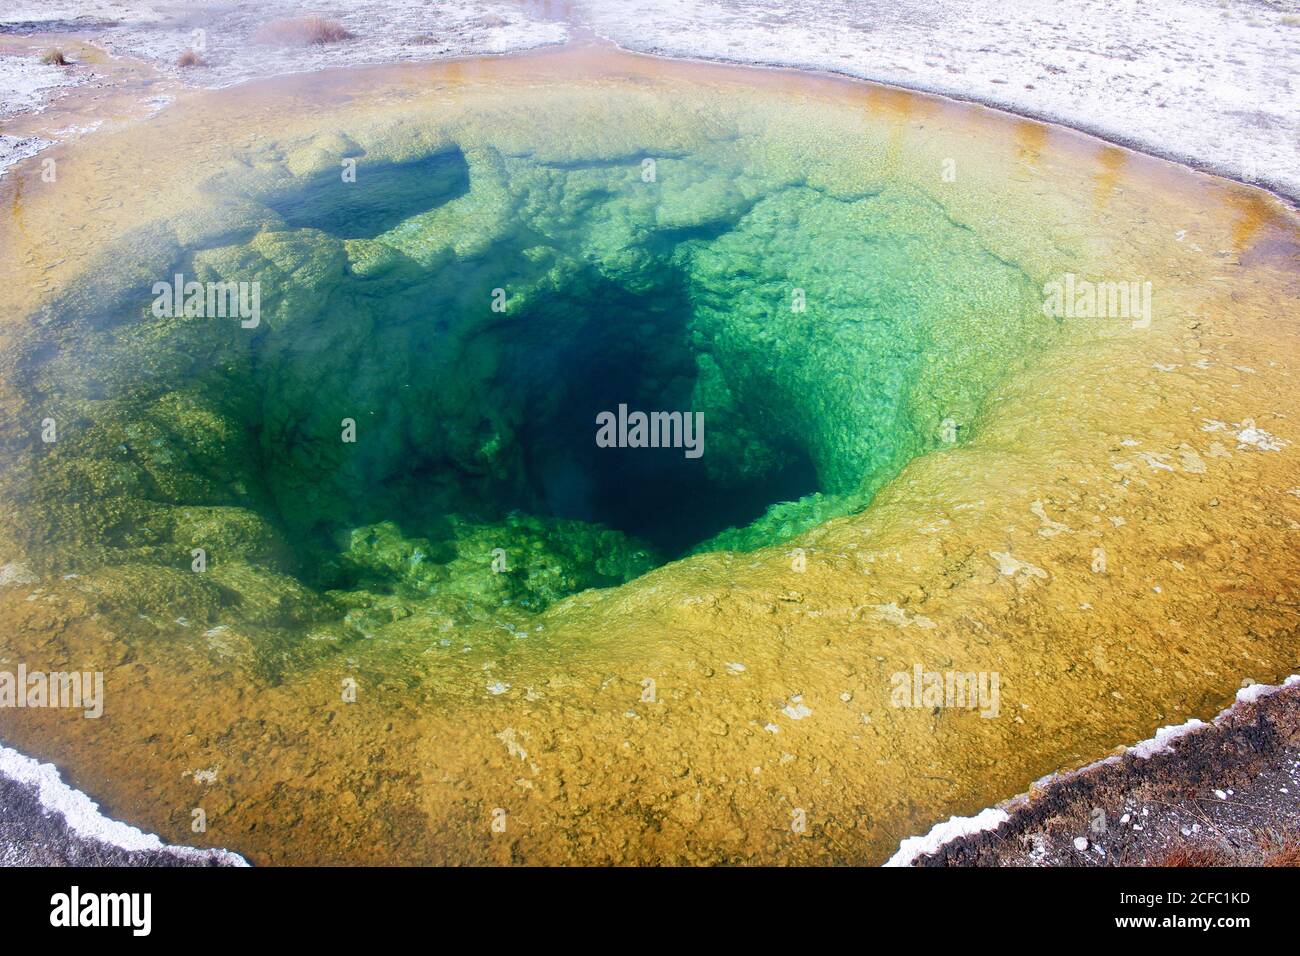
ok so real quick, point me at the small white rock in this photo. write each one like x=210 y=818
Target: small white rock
x=14 y=573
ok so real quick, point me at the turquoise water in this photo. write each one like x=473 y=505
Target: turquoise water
x=415 y=407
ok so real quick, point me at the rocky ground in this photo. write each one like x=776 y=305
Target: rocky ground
x=1225 y=793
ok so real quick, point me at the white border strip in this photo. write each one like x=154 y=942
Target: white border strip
x=82 y=814
x=945 y=832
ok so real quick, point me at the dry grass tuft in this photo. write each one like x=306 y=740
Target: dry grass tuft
x=54 y=57
x=303 y=31
x=190 y=58
x=1287 y=856
x=1195 y=856
x=1269 y=848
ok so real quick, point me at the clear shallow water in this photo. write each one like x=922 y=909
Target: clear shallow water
x=373 y=561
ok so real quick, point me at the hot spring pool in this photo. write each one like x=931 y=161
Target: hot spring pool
x=304 y=384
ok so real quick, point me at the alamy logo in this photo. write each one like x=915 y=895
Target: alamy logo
x=1074 y=298
x=651 y=430
x=75 y=690
x=103 y=909
x=212 y=300
x=929 y=689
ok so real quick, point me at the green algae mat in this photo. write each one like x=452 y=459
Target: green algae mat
x=559 y=459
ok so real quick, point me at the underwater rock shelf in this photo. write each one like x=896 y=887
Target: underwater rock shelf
x=560 y=458
x=398 y=384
